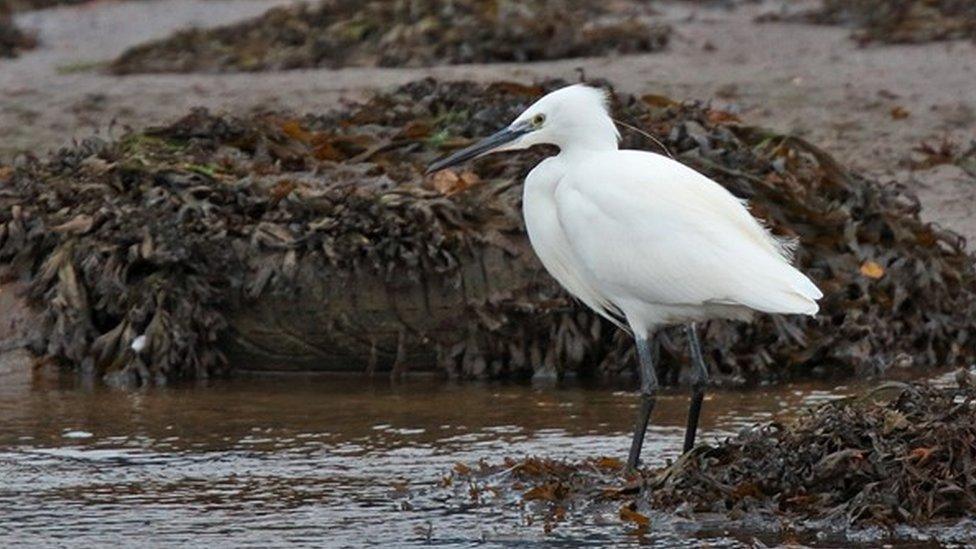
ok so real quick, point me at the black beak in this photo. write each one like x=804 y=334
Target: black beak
x=486 y=145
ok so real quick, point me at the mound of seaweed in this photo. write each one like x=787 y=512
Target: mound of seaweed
x=398 y=33
x=901 y=454
x=910 y=460
x=12 y=39
x=167 y=232
x=898 y=21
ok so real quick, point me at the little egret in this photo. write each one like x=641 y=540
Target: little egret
x=642 y=239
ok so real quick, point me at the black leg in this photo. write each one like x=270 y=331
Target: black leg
x=648 y=390
x=698 y=381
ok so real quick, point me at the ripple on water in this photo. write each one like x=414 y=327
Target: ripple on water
x=327 y=462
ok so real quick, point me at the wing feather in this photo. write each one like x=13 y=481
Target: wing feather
x=651 y=229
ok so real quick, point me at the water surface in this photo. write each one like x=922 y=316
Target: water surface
x=337 y=462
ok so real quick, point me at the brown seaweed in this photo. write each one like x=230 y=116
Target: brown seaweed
x=13 y=40
x=398 y=33
x=899 y=454
x=166 y=232
x=910 y=459
x=25 y=5
x=897 y=21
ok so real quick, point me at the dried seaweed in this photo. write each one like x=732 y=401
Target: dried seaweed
x=304 y=238
x=340 y=33
x=899 y=454
x=898 y=21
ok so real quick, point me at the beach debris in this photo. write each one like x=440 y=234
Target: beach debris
x=929 y=154
x=402 y=33
x=315 y=230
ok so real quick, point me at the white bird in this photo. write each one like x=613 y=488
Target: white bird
x=642 y=239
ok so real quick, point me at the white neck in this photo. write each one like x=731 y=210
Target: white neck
x=590 y=134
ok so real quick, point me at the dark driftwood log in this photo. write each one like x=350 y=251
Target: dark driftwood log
x=368 y=322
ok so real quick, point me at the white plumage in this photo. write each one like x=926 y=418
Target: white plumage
x=642 y=239
x=639 y=234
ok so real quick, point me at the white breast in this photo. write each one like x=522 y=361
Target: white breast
x=550 y=243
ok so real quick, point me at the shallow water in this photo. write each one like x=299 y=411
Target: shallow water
x=325 y=462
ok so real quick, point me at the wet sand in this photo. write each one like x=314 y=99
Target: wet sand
x=806 y=79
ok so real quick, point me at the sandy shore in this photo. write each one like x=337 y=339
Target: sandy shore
x=806 y=79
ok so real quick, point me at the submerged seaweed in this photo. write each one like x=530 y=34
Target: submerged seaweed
x=397 y=33
x=901 y=454
x=175 y=232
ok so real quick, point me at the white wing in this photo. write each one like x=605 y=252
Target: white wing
x=652 y=230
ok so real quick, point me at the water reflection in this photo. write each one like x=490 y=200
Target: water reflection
x=328 y=461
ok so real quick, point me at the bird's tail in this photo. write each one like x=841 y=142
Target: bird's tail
x=800 y=296
x=782 y=289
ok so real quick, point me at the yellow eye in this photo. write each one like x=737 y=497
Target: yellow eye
x=538 y=119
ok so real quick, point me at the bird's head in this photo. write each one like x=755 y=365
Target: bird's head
x=572 y=117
